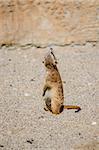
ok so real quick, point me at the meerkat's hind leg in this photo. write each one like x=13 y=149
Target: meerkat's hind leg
x=48 y=104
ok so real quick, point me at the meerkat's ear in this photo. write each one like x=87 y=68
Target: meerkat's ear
x=53 y=56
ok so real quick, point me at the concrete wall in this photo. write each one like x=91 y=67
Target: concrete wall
x=45 y=22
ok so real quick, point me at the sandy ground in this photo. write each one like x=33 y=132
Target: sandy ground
x=24 y=125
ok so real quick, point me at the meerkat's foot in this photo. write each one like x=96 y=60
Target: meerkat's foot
x=45 y=109
x=48 y=104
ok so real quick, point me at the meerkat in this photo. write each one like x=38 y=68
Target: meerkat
x=54 y=102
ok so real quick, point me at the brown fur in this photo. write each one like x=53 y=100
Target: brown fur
x=53 y=83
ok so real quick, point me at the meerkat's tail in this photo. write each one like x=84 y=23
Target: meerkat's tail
x=72 y=107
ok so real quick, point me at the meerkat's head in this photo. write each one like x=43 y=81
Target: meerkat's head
x=50 y=60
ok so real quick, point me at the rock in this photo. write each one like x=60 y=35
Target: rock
x=45 y=22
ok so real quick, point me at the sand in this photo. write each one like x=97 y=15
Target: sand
x=24 y=125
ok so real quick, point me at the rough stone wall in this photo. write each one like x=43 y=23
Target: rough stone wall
x=45 y=22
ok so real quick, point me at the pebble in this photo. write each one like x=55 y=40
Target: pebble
x=26 y=94
x=94 y=123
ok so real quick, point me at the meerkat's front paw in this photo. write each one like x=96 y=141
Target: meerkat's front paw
x=43 y=94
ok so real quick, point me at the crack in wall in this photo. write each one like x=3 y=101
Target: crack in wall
x=72 y=44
